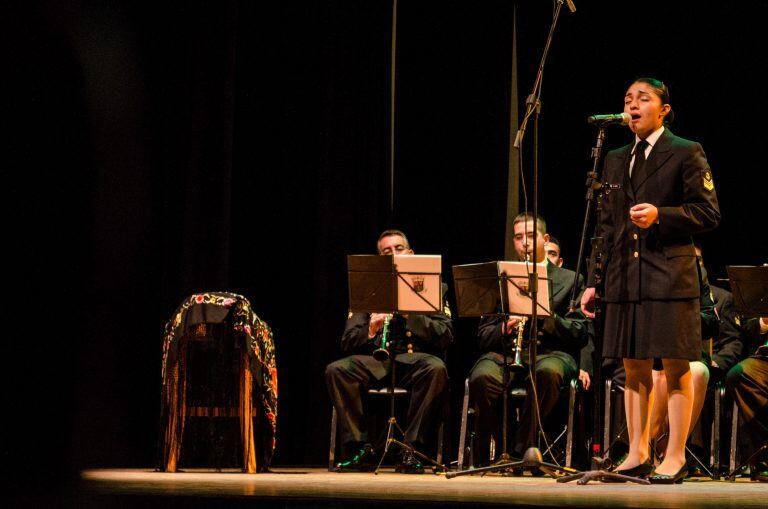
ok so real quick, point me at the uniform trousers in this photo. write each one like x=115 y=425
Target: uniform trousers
x=425 y=376
x=486 y=381
x=747 y=383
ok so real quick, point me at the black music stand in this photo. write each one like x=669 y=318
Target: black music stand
x=481 y=291
x=501 y=288
x=395 y=284
x=749 y=285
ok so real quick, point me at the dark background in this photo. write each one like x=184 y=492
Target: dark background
x=156 y=149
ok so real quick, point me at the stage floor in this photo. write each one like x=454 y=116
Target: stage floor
x=314 y=487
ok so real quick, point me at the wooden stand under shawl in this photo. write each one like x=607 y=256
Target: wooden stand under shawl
x=218 y=364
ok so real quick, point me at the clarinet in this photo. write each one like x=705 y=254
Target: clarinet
x=381 y=354
x=517 y=363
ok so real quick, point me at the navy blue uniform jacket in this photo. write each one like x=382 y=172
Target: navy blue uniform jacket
x=659 y=262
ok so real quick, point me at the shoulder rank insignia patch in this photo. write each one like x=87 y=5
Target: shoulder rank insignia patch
x=709 y=184
x=349 y=315
x=446 y=310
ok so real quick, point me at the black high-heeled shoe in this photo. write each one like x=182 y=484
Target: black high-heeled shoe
x=676 y=478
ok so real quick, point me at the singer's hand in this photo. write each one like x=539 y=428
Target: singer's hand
x=588 y=302
x=377 y=321
x=644 y=215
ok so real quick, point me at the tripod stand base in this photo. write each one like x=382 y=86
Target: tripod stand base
x=601 y=475
x=532 y=460
x=405 y=447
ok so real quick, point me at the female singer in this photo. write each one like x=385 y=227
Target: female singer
x=661 y=192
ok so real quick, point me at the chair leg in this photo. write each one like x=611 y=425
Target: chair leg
x=734 y=436
x=332 y=448
x=569 y=436
x=607 y=416
x=714 y=444
x=441 y=431
x=440 y=442
x=463 y=428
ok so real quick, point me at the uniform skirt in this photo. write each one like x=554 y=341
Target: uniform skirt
x=653 y=329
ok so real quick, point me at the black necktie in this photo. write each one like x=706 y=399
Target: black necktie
x=638 y=167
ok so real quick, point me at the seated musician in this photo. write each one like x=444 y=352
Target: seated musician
x=561 y=336
x=419 y=342
x=722 y=348
x=747 y=383
x=725 y=343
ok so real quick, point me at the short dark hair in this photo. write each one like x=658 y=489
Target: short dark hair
x=389 y=233
x=661 y=90
x=541 y=224
x=553 y=240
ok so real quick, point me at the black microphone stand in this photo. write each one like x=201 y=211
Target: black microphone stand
x=532 y=458
x=593 y=184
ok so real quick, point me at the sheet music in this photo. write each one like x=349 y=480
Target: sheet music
x=419 y=283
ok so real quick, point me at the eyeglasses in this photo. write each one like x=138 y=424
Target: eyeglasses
x=399 y=248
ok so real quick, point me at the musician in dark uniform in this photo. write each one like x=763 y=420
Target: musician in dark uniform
x=724 y=341
x=727 y=346
x=561 y=336
x=552 y=248
x=419 y=342
x=721 y=334
x=747 y=383
x=721 y=346
x=661 y=193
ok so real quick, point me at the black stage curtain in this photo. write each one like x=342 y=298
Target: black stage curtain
x=155 y=149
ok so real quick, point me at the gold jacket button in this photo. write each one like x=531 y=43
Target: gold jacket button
x=634 y=236
x=408 y=334
x=636 y=254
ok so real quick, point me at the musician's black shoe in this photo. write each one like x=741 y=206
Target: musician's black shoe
x=759 y=472
x=695 y=470
x=408 y=464
x=362 y=461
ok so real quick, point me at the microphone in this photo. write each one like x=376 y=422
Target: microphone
x=606 y=120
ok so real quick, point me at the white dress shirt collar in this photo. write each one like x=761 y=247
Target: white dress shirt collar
x=651 y=139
